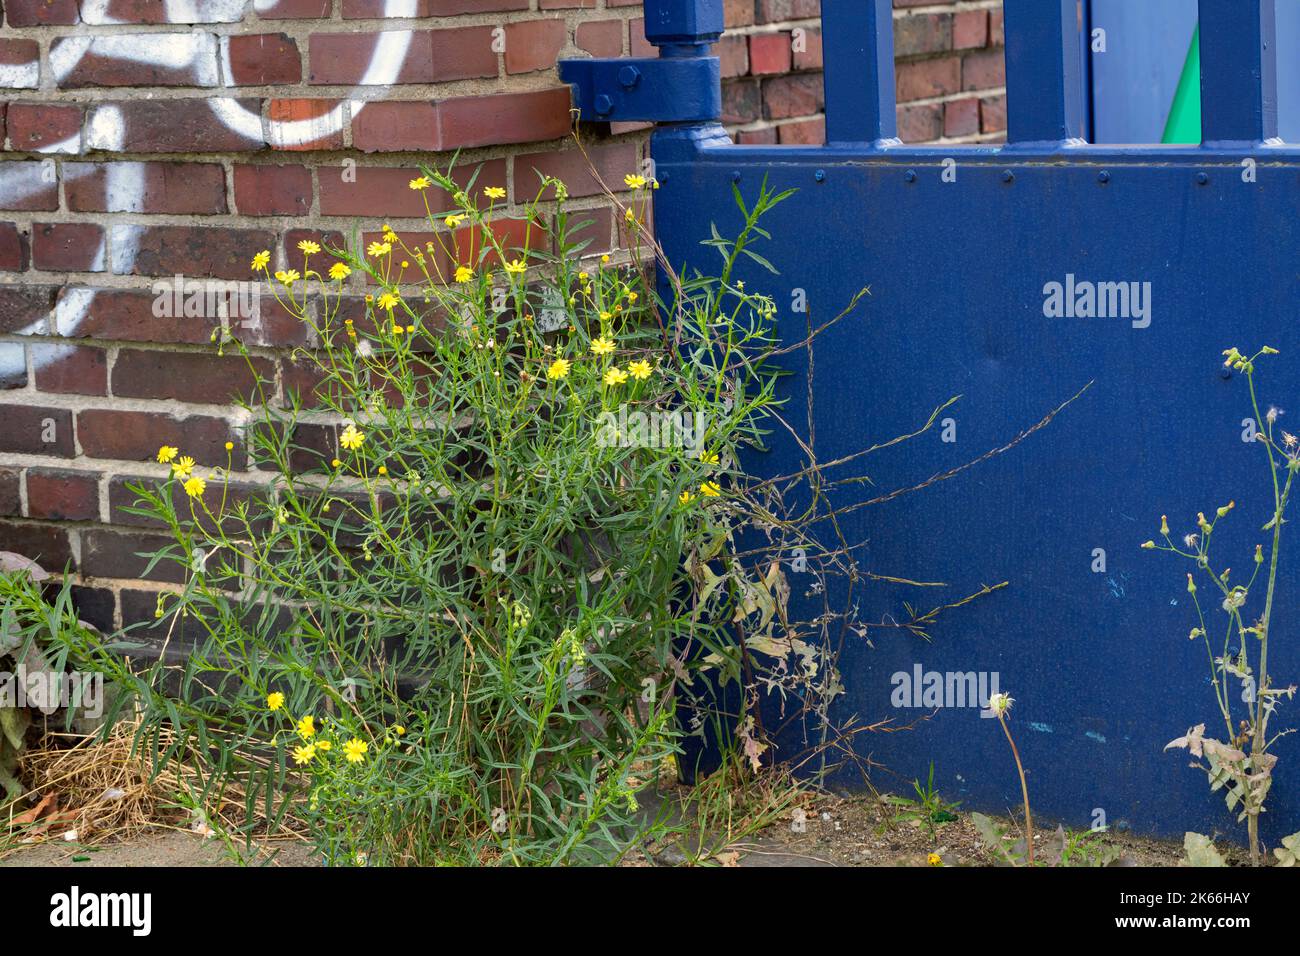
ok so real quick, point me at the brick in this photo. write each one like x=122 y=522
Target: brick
x=993 y=114
x=468 y=121
x=920 y=34
x=23 y=309
x=13 y=248
x=770 y=53
x=151 y=11
x=39 y=13
x=306 y=124
x=176 y=126
x=4 y=107
x=809 y=132
x=920 y=124
x=757 y=137
x=612 y=162
x=533 y=45
x=742 y=101
x=928 y=78
x=10 y=496
x=115 y=554
x=961 y=117
x=127 y=315
x=395 y=127
x=261 y=59
x=273 y=190
x=511 y=234
x=970 y=29
x=637 y=41
x=733 y=55
x=60 y=494
x=20 y=64
x=807 y=49
x=596 y=233
x=44 y=128
x=295 y=9
x=151 y=188
x=797 y=95
x=46 y=544
x=68 y=247
x=136 y=436
x=70 y=369
x=374 y=191
x=997 y=35
x=135 y=59
x=188 y=376
x=96 y=606
x=220 y=253
x=601 y=37
x=773 y=11
x=34 y=430
x=983 y=70
x=431 y=56
x=13 y=366
x=29 y=185
x=738 y=13
x=357 y=9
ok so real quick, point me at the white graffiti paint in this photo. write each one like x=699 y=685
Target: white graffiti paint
x=106 y=126
x=192 y=52
x=20 y=76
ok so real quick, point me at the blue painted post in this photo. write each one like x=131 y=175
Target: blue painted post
x=683 y=27
x=1044 y=71
x=1238 y=71
x=858 y=51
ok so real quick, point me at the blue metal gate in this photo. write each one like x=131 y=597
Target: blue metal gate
x=959 y=246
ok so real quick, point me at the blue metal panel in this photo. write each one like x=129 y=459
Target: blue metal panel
x=858 y=52
x=1098 y=662
x=1044 y=71
x=1238 y=70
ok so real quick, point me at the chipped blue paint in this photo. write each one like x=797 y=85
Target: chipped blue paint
x=1093 y=735
x=1041 y=727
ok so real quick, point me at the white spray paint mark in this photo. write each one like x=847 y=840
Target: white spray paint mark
x=196 y=52
x=21 y=76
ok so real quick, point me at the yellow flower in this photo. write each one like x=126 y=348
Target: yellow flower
x=494 y=192
x=640 y=370
x=166 y=453
x=602 y=346
x=709 y=457
x=323 y=745
x=339 y=272
x=275 y=701
x=307 y=727
x=288 y=278
x=355 y=750
x=183 y=467
x=934 y=859
x=230 y=446
x=194 y=486
x=399 y=730
x=302 y=755
x=454 y=220
x=351 y=438
x=559 y=369
x=517 y=267
x=309 y=247
x=420 y=182
x=464 y=274
x=378 y=249
x=686 y=497
x=615 y=375
x=261 y=259
x=711 y=489
x=388 y=301
x=634 y=181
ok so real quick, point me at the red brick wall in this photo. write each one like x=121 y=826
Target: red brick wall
x=146 y=138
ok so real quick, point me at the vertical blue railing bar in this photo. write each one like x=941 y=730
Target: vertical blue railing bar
x=858 y=52
x=1238 y=71
x=1044 y=71
x=683 y=27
